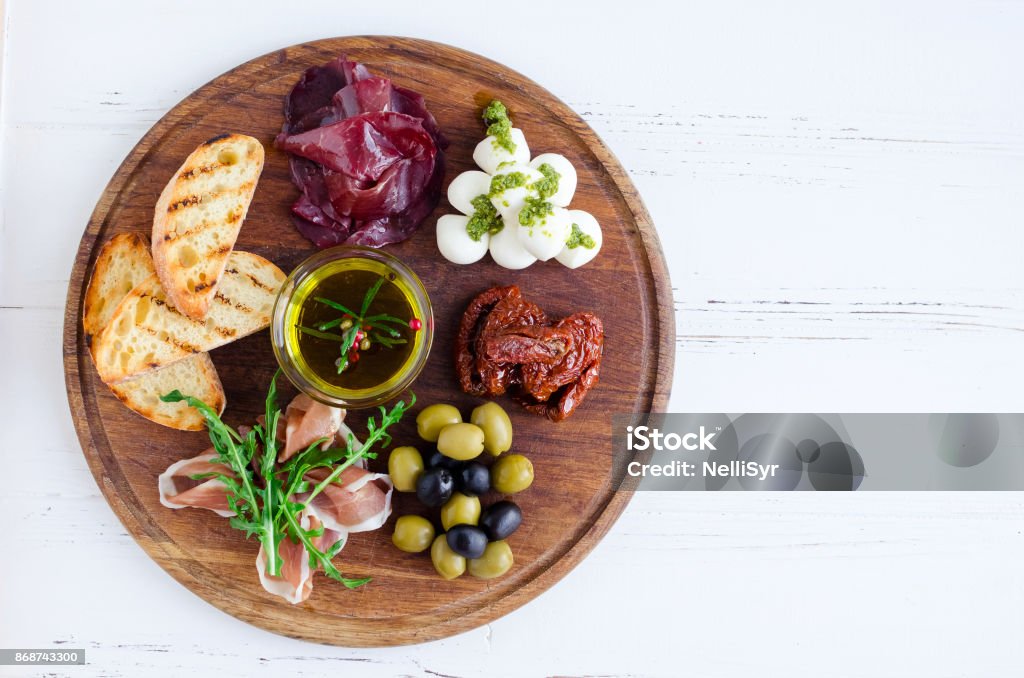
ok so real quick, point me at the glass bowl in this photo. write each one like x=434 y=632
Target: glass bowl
x=297 y=293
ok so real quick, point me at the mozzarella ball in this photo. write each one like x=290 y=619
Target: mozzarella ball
x=510 y=201
x=454 y=242
x=574 y=257
x=507 y=251
x=465 y=187
x=567 y=180
x=488 y=154
x=546 y=237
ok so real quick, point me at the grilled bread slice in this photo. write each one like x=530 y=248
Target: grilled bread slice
x=194 y=376
x=124 y=262
x=147 y=332
x=198 y=216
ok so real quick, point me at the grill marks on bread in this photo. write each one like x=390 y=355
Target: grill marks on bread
x=198 y=216
x=148 y=331
x=121 y=265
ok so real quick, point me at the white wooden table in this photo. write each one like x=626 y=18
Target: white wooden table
x=838 y=189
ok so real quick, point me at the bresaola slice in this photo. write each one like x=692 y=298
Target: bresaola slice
x=358 y=147
x=362 y=96
x=366 y=154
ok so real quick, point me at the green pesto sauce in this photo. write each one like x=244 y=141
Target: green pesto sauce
x=580 y=239
x=499 y=125
x=547 y=186
x=535 y=210
x=503 y=182
x=485 y=218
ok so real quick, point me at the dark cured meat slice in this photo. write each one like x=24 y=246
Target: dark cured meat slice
x=313 y=91
x=399 y=227
x=359 y=147
x=378 y=189
x=373 y=233
x=396 y=191
x=412 y=103
x=310 y=177
x=321 y=236
x=364 y=96
x=311 y=100
x=310 y=211
x=354 y=71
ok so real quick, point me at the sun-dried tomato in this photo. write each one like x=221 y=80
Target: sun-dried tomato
x=527 y=344
x=506 y=341
x=541 y=380
x=465 y=341
x=509 y=313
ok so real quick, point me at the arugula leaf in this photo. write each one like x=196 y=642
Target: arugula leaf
x=376 y=434
x=232 y=451
x=262 y=495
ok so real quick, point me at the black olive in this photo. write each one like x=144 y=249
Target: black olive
x=437 y=460
x=435 y=486
x=474 y=479
x=469 y=541
x=501 y=519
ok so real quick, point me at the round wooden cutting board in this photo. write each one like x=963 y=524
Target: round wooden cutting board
x=574 y=499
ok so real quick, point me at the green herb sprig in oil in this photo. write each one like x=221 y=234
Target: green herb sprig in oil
x=360 y=331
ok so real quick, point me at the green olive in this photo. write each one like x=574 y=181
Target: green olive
x=405 y=464
x=496 y=561
x=496 y=425
x=413 y=534
x=461 y=441
x=460 y=510
x=448 y=563
x=431 y=420
x=511 y=474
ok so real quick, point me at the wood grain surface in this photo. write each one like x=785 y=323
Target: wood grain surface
x=573 y=501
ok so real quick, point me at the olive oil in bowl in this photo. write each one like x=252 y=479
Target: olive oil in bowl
x=352 y=327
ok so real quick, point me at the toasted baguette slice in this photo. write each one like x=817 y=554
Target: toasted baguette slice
x=198 y=216
x=194 y=376
x=146 y=332
x=124 y=262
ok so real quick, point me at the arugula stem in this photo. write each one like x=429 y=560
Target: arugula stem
x=322 y=485
x=267 y=510
x=269 y=537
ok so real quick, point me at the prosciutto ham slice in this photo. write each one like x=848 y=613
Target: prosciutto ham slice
x=295 y=582
x=306 y=421
x=178 y=489
x=357 y=501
